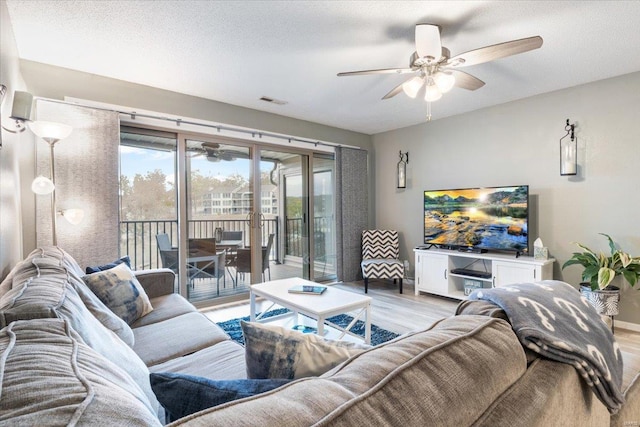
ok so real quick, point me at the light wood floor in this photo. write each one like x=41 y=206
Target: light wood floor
x=406 y=312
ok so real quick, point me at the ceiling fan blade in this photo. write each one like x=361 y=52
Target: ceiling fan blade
x=466 y=80
x=496 y=51
x=210 y=145
x=380 y=71
x=393 y=92
x=428 y=42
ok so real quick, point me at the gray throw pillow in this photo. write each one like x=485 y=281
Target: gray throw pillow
x=119 y=290
x=183 y=395
x=275 y=352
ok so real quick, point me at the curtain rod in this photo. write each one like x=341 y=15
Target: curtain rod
x=219 y=128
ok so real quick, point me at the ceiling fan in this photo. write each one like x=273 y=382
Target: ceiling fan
x=438 y=71
x=213 y=152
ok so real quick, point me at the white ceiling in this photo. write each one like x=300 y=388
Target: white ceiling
x=238 y=51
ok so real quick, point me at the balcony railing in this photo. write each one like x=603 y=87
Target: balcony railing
x=138 y=238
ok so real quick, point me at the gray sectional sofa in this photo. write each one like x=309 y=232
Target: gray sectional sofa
x=60 y=365
x=48 y=301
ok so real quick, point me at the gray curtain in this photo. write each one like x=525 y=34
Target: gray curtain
x=87 y=171
x=352 y=213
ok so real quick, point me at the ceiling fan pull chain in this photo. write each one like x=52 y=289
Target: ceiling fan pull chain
x=428 y=111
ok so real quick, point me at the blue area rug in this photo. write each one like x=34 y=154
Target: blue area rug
x=378 y=335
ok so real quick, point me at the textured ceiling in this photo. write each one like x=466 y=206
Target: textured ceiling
x=239 y=51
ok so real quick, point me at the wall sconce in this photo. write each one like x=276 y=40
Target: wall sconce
x=51 y=133
x=569 y=151
x=73 y=216
x=21 y=109
x=402 y=169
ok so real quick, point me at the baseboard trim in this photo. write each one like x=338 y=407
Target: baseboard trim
x=627 y=325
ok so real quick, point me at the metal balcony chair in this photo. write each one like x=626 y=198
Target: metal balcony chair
x=168 y=253
x=203 y=261
x=242 y=260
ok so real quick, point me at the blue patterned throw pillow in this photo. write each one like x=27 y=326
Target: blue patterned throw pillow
x=125 y=259
x=119 y=290
x=275 y=352
x=182 y=395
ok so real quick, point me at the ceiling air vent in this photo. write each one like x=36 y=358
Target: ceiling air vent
x=272 y=100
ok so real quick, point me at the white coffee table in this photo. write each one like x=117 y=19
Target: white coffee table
x=319 y=307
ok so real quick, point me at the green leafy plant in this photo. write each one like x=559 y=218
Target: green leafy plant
x=600 y=270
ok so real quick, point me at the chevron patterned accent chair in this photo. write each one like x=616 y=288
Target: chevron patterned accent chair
x=380 y=252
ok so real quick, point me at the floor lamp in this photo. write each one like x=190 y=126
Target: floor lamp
x=51 y=133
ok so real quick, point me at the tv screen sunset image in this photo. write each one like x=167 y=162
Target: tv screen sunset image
x=486 y=218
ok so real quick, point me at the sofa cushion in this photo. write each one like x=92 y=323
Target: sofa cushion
x=449 y=374
x=165 y=307
x=176 y=337
x=43 y=287
x=276 y=352
x=125 y=259
x=26 y=270
x=119 y=290
x=222 y=361
x=546 y=390
x=183 y=395
x=48 y=376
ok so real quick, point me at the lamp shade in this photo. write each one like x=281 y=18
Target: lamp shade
x=444 y=81
x=412 y=86
x=432 y=93
x=42 y=185
x=21 y=109
x=50 y=131
x=74 y=216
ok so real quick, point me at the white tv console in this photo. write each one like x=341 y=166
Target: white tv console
x=433 y=270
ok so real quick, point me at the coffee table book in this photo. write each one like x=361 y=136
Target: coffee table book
x=306 y=289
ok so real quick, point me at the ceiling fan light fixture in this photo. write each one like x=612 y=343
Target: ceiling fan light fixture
x=412 y=86
x=432 y=93
x=444 y=80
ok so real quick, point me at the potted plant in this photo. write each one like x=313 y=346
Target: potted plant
x=600 y=270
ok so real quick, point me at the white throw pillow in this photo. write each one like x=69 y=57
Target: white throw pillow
x=276 y=352
x=119 y=290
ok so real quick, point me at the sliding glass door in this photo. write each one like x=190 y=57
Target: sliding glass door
x=224 y=213
x=219 y=203
x=323 y=226
x=148 y=198
x=284 y=207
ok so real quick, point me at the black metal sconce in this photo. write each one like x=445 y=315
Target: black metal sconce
x=569 y=151
x=402 y=169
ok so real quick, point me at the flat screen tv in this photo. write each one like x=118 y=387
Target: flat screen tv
x=494 y=218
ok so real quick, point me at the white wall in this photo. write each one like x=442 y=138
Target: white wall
x=16 y=149
x=518 y=143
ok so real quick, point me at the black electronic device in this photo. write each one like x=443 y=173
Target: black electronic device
x=472 y=250
x=471 y=272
